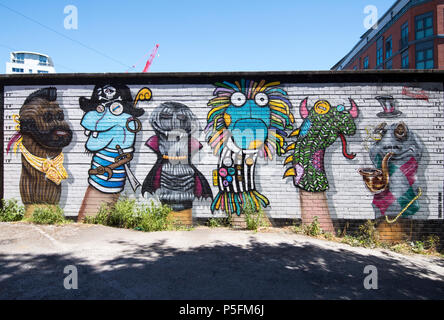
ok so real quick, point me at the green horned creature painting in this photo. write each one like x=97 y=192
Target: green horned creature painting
x=321 y=127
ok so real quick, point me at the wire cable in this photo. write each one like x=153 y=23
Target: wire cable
x=65 y=36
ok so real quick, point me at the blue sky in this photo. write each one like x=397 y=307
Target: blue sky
x=194 y=35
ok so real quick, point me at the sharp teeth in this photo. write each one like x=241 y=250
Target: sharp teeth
x=87 y=132
x=95 y=134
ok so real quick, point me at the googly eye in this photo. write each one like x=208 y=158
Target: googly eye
x=261 y=99
x=322 y=107
x=238 y=99
x=116 y=108
x=100 y=108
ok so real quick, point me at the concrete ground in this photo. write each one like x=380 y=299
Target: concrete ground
x=202 y=264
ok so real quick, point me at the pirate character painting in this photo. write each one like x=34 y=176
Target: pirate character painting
x=175 y=179
x=111 y=124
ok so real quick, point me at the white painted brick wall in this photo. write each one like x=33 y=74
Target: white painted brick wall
x=348 y=198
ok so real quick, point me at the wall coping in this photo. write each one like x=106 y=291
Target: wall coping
x=349 y=76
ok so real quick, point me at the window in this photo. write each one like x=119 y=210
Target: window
x=388 y=47
x=18 y=70
x=41 y=71
x=30 y=70
x=19 y=58
x=404 y=35
x=424 y=56
x=43 y=61
x=379 y=51
x=389 y=64
x=366 y=63
x=405 y=60
x=424 y=26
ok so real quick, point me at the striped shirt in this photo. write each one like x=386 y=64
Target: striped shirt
x=104 y=158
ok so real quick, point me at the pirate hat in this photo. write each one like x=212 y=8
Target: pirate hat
x=104 y=94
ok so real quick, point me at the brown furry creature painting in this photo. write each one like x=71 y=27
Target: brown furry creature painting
x=42 y=134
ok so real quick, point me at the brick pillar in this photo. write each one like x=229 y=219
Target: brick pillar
x=394 y=232
x=182 y=218
x=92 y=202
x=315 y=204
x=238 y=222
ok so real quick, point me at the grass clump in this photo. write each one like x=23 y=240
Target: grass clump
x=429 y=246
x=312 y=229
x=214 y=223
x=47 y=215
x=127 y=213
x=219 y=222
x=254 y=218
x=11 y=211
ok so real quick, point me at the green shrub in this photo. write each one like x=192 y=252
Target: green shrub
x=254 y=218
x=368 y=235
x=154 y=217
x=127 y=213
x=418 y=247
x=219 y=222
x=11 y=211
x=47 y=215
x=431 y=242
x=313 y=229
x=214 y=223
x=297 y=229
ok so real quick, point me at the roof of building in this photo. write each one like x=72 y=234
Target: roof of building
x=397 y=9
x=30 y=52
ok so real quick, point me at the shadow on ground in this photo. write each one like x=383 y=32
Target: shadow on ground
x=218 y=271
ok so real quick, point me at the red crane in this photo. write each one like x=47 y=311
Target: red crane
x=151 y=58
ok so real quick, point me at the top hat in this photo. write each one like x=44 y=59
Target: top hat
x=387 y=103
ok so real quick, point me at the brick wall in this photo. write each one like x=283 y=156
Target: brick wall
x=418 y=104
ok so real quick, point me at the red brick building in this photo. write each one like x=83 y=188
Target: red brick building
x=410 y=35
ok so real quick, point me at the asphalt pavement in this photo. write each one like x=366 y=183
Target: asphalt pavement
x=39 y=262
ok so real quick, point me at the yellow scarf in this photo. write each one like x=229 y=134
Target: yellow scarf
x=53 y=168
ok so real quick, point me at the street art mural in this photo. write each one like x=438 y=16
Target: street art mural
x=176 y=180
x=396 y=156
x=113 y=145
x=111 y=124
x=42 y=133
x=321 y=127
x=248 y=119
